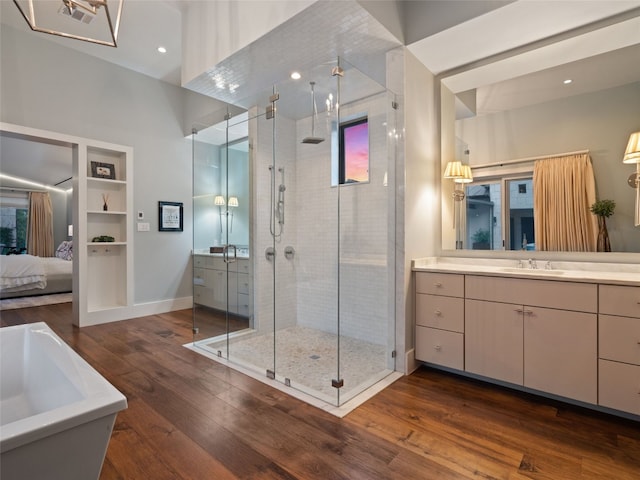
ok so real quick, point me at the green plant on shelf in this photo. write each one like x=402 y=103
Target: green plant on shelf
x=103 y=238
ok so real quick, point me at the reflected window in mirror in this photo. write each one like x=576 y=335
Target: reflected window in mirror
x=499 y=214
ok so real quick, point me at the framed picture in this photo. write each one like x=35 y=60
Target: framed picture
x=170 y=216
x=103 y=170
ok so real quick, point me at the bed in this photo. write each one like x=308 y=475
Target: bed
x=27 y=275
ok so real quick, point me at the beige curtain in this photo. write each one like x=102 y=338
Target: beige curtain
x=564 y=189
x=40 y=231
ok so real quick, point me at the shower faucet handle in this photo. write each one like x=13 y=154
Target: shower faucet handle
x=289 y=252
x=270 y=254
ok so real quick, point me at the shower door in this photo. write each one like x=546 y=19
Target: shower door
x=222 y=264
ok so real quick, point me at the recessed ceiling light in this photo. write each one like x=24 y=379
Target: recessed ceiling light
x=296 y=75
x=567 y=81
x=162 y=50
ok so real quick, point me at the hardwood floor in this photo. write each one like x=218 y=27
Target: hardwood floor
x=192 y=418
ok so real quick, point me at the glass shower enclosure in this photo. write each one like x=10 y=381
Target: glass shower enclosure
x=306 y=292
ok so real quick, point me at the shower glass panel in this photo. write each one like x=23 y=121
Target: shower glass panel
x=221 y=205
x=321 y=235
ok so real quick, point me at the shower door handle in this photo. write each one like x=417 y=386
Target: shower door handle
x=225 y=254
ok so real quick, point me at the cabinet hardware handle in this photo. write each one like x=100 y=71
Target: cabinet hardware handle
x=437 y=284
x=438 y=312
x=518 y=310
x=438 y=348
x=527 y=312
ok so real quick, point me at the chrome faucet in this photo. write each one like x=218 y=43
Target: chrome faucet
x=547 y=266
x=532 y=264
x=520 y=264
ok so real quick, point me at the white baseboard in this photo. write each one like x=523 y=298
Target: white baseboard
x=135 y=311
x=163 y=306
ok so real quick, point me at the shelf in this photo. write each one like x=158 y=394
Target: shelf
x=105 y=212
x=106 y=180
x=106 y=244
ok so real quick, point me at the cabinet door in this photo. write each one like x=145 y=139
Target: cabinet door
x=560 y=353
x=218 y=286
x=493 y=340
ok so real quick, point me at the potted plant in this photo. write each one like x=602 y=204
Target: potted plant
x=603 y=209
x=481 y=239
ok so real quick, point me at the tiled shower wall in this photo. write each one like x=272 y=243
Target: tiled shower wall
x=307 y=285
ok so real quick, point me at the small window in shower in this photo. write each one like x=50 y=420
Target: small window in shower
x=354 y=151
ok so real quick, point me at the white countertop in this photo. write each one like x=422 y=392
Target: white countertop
x=610 y=273
x=241 y=252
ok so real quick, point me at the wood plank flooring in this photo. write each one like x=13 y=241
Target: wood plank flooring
x=192 y=418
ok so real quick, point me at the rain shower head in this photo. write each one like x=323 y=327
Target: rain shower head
x=313 y=140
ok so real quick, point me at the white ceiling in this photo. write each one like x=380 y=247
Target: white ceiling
x=512 y=53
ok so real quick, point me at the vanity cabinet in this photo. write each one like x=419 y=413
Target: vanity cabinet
x=440 y=319
x=619 y=353
x=512 y=336
x=577 y=339
x=211 y=279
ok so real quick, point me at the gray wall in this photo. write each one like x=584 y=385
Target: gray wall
x=44 y=85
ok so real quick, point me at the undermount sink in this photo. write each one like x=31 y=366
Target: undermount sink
x=531 y=271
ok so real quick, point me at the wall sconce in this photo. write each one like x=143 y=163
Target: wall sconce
x=233 y=202
x=460 y=174
x=219 y=201
x=75 y=19
x=632 y=155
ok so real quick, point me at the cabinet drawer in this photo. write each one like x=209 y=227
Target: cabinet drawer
x=445 y=313
x=203 y=296
x=440 y=347
x=619 y=386
x=579 y=297
x=213 y=263
x=619 y=338
x=244 y=283
x=620 y=300
x=243 y=305
x=449 y=284
x=244 y=266
x=199 y=276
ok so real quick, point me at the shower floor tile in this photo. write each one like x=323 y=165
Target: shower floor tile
x=309 y=359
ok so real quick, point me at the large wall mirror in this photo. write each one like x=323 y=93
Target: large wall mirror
x=499 y=129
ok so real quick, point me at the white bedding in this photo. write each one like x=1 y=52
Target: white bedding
x=27 y=272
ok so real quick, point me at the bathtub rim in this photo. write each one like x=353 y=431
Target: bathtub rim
x=102 y=399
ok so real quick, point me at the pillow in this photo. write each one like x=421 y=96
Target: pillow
x=65 y=250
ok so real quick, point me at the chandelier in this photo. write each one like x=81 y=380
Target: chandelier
x=94 y=21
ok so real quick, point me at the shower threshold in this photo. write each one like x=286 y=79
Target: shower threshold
x=304 y=376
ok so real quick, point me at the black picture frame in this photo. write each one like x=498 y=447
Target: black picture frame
x=103 y=170
x=170 y=216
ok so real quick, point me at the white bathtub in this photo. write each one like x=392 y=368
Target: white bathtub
x=56 y=411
